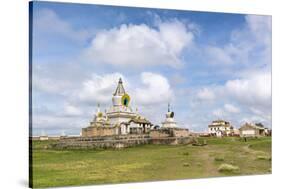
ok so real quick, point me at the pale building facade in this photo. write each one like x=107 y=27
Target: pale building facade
x=220 y=128
x=252 y=130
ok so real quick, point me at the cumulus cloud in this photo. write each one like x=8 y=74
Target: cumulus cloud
x=54 y=123
x=226 y=111
x=206 y=94
x=264 y=113
x=251 y=94
x=141 y=45
x=231 y=108
x=248 y=52
x=260 y=26
x=146 y=89
x=254 y=119
x=252 y=90
x=131 y=46
x=247 y=97
x=99 y=88
x=70 y=110
x=155 y=89
x=177 y=79
x=252 y=42
x=49 y=85
x=48 y=21
x=218 y=113
x=218 y=55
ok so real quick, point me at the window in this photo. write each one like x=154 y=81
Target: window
x=125 y=102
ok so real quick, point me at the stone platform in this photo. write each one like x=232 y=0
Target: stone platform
x=117 y=141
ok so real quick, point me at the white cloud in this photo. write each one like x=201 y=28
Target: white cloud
x=48 y=21
x=252 y=90
x=218 y=55
x=206 y=94
x=70 y=110
x=262 y=112
x=250 y=44
x=175 y=36
x=149 y=89
x=155 y=89
x=99 y=88
x=141 y=45
x=231 y=108
x=150 y=93
x=219 y=113
x=56 y=122
x=49 y=85
x=251 y=94
x=178 y=79
x=246 y=98
x=260 y=26
x=254 y=119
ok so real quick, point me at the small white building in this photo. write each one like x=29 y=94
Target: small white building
x=43 y=137
x=220 y=128
x=252 y=130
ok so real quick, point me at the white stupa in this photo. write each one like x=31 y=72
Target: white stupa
x=169 y=121
x=120 y=117
x=120 y=111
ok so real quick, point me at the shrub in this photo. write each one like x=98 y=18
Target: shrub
x=186 y=164
x=185 y=153
x=269 y=170
x=228 y=168
x=264 y=158
x=219 y=159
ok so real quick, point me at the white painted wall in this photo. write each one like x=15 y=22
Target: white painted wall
x=248 y=132
x=118 y=120
x=213 y=130
x=123 y=129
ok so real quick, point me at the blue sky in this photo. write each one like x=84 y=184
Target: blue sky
x=207 y=65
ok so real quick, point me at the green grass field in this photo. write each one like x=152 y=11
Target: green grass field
x=221 y=157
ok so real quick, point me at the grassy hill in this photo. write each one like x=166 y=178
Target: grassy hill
x=221 y=157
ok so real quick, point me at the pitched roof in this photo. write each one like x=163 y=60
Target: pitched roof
x=219 y=122
x=248 y=125
x=140 y=120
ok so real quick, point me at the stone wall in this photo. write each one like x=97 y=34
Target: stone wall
x=159 y=133
x=105 y=137
x=116 y=142
x=98 y=131
x=178 y=132
x=169 y=132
